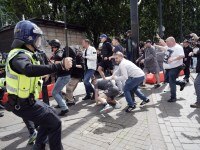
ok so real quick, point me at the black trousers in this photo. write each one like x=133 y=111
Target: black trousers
x=48 y=121
x=45 y=95
x=170 y=77
x=187 y=69
x=30 y=126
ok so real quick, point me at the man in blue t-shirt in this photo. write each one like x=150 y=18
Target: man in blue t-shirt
x=117 y=46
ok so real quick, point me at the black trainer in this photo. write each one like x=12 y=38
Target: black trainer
x=182 y=86
x=57 y=106
x=144 y=102
x=172 y=100
x=195 y=105
x=156 y=86
x=130 y=108
x=87 y=97
x=63 y=112
x=70 y=103
x=143 y=86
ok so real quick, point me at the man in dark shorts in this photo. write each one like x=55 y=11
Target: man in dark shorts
x=108 y=96
x=106 y=52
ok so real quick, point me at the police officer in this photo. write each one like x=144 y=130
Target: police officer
x=23 y=84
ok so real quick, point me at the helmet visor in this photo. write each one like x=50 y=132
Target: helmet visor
x=40 y=43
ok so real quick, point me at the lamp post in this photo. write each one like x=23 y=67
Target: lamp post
x=66 y=37
x=160 y=20
x=181 y=21
x=134 y=28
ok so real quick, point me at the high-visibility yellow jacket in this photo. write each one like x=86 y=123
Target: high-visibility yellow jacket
x=19 y=84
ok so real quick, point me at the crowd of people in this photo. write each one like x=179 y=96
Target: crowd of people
x=120 y=77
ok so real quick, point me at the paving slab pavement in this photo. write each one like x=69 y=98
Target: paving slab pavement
x=157 y=126
x=179 y=124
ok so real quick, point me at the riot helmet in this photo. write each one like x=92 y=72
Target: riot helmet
x=27 y=32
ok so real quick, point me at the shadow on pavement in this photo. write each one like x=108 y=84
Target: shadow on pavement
x=195 y=112
x=18 y=138
x=197 y=117
x=190 y=137
x=114 y=124
x=108 y=124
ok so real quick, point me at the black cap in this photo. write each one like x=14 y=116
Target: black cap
x=148 y=41
x=128 y=32
x=186 y=41
x=55 y=43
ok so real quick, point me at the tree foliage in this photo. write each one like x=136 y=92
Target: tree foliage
x=111 y=17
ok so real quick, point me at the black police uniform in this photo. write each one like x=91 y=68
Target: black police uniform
x=37 y=111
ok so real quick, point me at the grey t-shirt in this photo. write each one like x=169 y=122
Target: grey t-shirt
x=109 y=88
x=104 y=84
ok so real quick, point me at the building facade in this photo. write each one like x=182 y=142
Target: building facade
x=52 y=30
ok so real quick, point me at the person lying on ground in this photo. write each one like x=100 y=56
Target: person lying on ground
x=108 y=96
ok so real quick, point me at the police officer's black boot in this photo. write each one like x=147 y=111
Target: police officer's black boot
x=38 y=147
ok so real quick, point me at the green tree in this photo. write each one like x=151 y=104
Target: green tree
x=100 y=16
x=110 y=17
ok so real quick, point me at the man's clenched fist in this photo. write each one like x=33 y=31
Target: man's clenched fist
x=67 y=63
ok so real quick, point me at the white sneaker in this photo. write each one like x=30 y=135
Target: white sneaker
x=117 y=105
x=106 y=109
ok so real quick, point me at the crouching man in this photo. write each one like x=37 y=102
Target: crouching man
x=133 y=77
x=108 y=96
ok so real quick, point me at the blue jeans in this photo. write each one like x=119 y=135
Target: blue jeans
x=57 y=91
x=131 y=85
x=88 y=87
x=170 y=77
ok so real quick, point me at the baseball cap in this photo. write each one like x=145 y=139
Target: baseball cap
x=103 y=36
x=148 y=41
x=186 y=41
x=128 y=32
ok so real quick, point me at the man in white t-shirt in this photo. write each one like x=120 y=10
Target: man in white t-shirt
x=173 y=61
